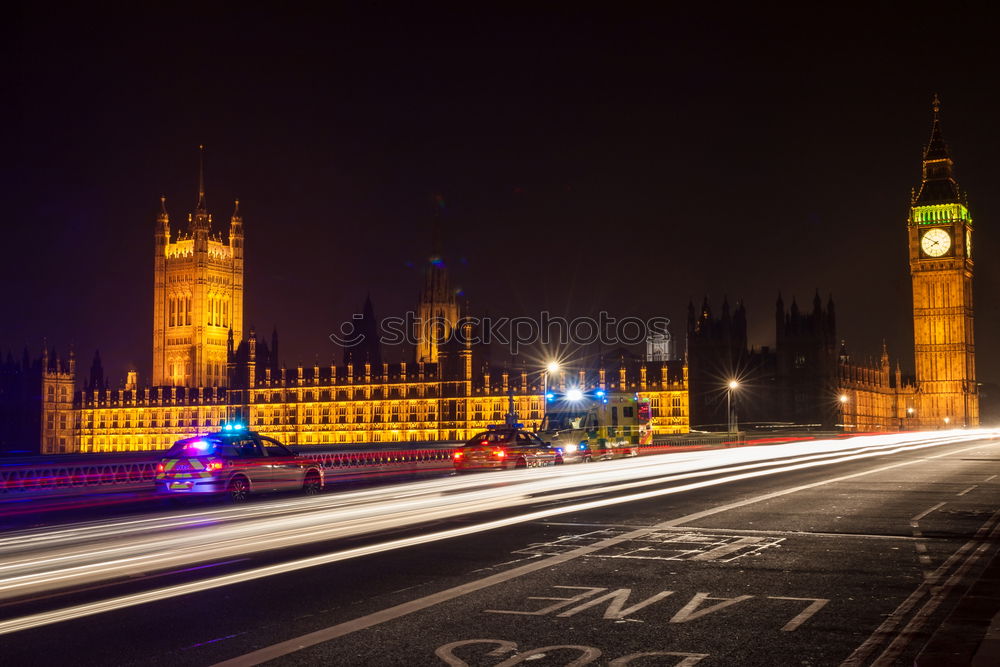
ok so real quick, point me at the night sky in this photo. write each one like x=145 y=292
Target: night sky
x=588 y=160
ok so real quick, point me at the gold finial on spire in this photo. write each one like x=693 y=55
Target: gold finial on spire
x=163 y=217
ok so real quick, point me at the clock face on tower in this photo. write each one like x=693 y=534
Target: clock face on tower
x=935 y=242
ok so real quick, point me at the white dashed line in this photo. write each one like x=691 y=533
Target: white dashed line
x=925 y=513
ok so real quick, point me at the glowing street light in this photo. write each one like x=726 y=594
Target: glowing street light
x=844 y=398
x=730 y=413
x=550 y=369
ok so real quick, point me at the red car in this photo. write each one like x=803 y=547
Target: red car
x=505 y=447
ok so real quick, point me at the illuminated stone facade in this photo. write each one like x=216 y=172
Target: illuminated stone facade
x=355 y=403
x=58 y=414
x=206 y=374
x=437 y=309
x=197 y=298
x=871 y=398
x=939 y=231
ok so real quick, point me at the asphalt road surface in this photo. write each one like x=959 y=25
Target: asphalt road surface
x=872 y=550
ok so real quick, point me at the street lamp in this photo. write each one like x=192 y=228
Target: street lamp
x=550 y=369
x=730 y=414
x=844 y=399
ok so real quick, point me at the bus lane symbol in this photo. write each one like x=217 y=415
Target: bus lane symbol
x=584 y=655
x=618 y=607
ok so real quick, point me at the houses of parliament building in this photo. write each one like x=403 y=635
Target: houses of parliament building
x=208 y=369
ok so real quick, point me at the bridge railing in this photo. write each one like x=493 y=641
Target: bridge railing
x=136 y=471
x=120 y=472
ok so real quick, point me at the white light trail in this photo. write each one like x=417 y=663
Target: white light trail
x=44 y=560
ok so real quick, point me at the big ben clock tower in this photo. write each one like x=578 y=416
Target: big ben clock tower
x=939 y=230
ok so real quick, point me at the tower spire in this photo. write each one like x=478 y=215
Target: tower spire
x=436 y=224
x=938 y=184
x=936 y=148
x=201 y=208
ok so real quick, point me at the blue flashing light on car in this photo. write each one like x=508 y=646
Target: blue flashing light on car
x=550 y=396
x=199 y=445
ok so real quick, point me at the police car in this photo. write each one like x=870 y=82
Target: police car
x=235 y=462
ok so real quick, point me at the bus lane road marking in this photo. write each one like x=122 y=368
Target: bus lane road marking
x=398 y=611
x=585 y=655
x=616 y=609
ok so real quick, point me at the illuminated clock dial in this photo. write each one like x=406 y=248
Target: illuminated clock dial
x=968 y=243
x=935 y=242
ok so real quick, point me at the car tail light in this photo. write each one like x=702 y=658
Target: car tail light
x=499 y=453
x=214 y=465
x=160 y=467
x=459 y=455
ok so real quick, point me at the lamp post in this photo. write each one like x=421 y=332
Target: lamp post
x=844 y=399
x=730 y=413
x=550 y=369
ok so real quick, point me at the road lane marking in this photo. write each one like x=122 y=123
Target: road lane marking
x=617 y=611
x=726 y=549
x=815 y=605
x=691 y=610
x=562 y=602
x=80 y=563
x=392 y=613
x=616 y=600
x=585 y=654
x=735 y=531
x=892 y=652
x=929 y=585
x=688 y=659
x=926 y=512
x=672 y=545
x=296 y=644
x=962 y=493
